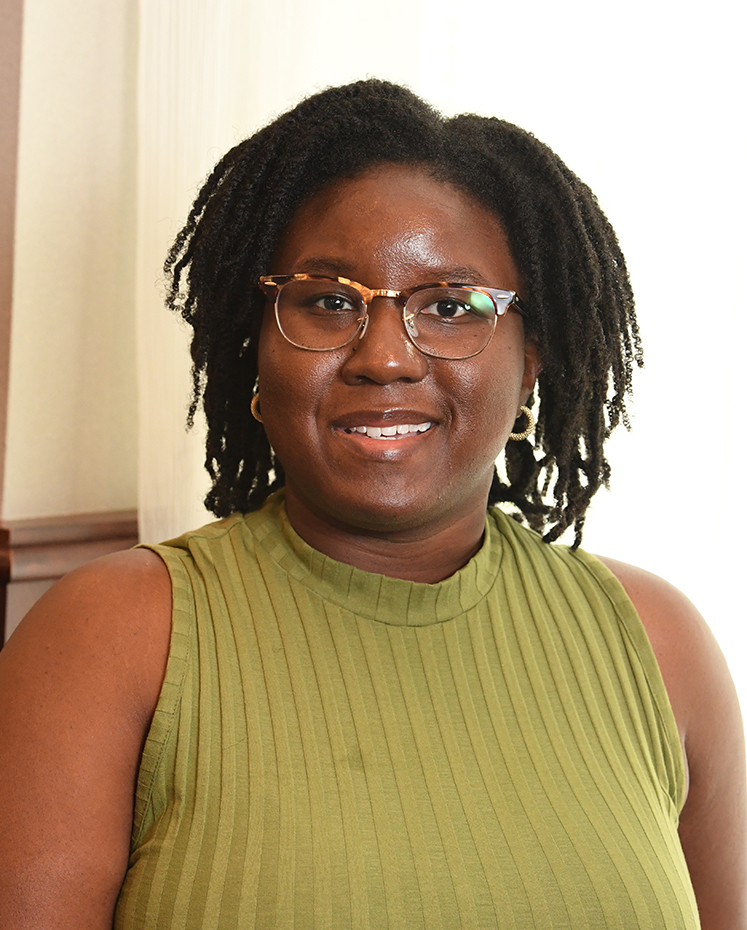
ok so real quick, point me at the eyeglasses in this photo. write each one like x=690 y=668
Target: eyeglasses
x=443 y=320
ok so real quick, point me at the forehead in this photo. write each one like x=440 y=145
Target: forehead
x=400 y=222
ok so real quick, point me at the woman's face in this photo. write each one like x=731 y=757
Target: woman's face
x=393 y=227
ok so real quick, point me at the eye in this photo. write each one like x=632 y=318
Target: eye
x=452 y=304
x=447 y=309
x=334 y=303
x=327 y=303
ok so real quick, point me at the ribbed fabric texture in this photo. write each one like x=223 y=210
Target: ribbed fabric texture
x=336 y=749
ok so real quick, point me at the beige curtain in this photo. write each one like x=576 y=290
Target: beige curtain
x=190 y=101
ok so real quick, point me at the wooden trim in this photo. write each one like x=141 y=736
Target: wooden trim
x=42 y=531
x=49 y=547
x=46 y=548
x=11 y=18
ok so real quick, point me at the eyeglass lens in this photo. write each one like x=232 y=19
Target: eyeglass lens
x=448 y=322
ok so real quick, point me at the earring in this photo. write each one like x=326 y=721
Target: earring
x=254 y=407
x=531 y=423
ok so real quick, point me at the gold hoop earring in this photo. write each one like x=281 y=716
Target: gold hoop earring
x=531 y=423
x=254 y=407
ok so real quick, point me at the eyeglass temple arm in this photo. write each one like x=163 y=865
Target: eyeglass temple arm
x=519 y=305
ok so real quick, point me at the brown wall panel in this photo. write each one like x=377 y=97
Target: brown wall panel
x=34 y=553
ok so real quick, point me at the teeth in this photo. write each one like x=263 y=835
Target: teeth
x=390 y=432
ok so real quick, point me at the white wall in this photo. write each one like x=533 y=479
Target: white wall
x=72 y=418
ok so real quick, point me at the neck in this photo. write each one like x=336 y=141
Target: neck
x=425 y=554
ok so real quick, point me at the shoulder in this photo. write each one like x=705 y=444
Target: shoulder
x=684 y=647
x=113 y=613
x=691 y=663
x=713 y=822
x=79 y=680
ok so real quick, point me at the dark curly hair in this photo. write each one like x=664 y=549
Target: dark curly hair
x=576 y=284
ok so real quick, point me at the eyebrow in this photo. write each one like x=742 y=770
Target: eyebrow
x=324 y=266
x=330 y=267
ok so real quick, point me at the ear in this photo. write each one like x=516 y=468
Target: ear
x=532 y=368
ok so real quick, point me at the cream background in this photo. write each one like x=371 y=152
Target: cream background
x=124 y=111
x=72 y=417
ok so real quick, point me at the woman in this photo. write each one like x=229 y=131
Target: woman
x=355 y=702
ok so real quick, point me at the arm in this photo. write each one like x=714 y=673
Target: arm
x=79 y=681
x=713 y=823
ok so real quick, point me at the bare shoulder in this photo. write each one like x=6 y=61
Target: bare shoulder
x=685 y=648
x=79 y=680
x=116 y=611
x=713 y=822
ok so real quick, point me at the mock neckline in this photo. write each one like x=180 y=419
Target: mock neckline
x=392 y=601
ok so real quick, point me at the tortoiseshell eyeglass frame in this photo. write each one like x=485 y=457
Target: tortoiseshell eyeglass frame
x=501 y=298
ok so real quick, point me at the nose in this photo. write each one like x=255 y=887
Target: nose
x=383 y=353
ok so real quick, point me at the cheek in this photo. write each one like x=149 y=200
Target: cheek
x=491 y=395
x=291 y=385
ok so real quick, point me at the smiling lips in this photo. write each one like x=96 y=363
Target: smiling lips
x=390 y=432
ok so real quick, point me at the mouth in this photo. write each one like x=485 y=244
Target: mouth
x=391 y=431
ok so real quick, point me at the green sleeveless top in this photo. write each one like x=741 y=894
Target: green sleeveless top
x=337 y=749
